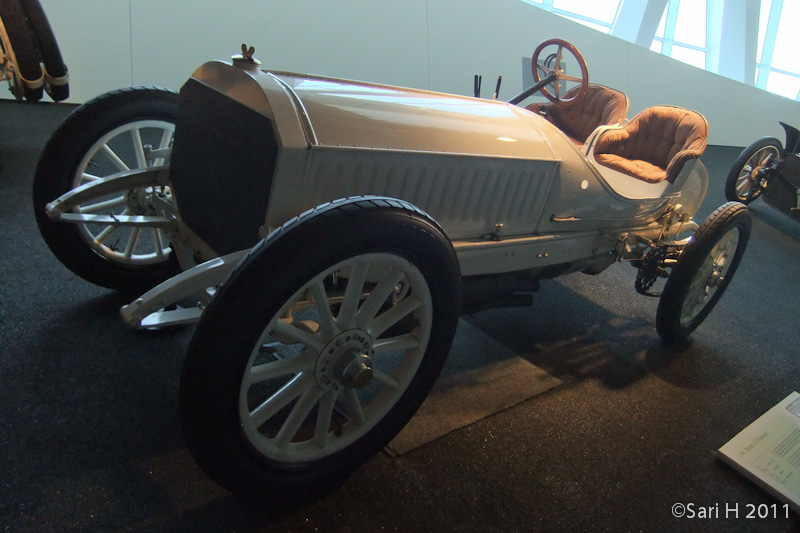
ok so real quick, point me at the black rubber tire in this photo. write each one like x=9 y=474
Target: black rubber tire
x=274 y=270
x=26 y=50
x=731 y=194
x=732 y=216
x=56 y=170
x=48 y=48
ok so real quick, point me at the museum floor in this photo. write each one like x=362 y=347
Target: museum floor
x=602 y=427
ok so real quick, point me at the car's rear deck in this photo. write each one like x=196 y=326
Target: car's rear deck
x=599 y=426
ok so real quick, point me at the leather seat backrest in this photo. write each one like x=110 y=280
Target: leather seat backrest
x=654 y=144
x=599 y=106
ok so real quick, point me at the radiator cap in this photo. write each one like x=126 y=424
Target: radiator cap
x=245 y=60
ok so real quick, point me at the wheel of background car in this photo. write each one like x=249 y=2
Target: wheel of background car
x=740 y=186
x=8 y=67
x=100 y=139
x=703 y=271
x=553 y=63
x=48 y=48
x=319 y=347
x=27 y=79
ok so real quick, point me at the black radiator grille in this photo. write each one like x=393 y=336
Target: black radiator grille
x=222 y=166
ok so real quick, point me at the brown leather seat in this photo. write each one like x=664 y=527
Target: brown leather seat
x=599 y=106
x=654 y=145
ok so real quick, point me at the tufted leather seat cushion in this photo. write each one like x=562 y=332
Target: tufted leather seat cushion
x=599 y=106
x=654 y=145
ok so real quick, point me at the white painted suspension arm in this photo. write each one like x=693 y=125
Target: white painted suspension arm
x=147 y=311
x=59 y=208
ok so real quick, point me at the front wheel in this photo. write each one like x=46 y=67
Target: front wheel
x=123 y=130
x=320 y=347
x=703 y=271
x=742 y=184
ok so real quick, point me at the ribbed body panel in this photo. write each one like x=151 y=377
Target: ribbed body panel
x=467 y=195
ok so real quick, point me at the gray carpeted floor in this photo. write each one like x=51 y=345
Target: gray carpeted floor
x=480 y=378
x=89 y=439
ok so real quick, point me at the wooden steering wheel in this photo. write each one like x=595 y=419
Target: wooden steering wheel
x=552 y=68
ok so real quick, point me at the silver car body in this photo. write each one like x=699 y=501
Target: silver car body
x=509 y=188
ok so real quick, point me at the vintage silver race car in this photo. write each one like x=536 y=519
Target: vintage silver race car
x=327 y=235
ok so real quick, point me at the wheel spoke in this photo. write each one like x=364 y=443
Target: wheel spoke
x=354 y=408
x=90 y=177
x=693 y=300
x=386 y=379
x=402 y=342
x=324 y=415
x=298 y=415
x=119 y=163
x=166 y=137
x=278 y=368
x=393 y=316
x=699 y=291
x=352 y=295
x=269 y=408
x=298 y=335
x=105 y=234
x=110 y=230
x=159 y=242
x=326 y=321
x=105 y=205
x=378 y=296
x=743 y=187
x=570 y=78
x=138 y=148
x=133 y=240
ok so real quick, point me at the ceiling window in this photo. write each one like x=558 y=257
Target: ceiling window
x=596 y=14
x=689 y=31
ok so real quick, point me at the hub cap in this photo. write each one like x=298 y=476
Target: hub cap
x=345 y=362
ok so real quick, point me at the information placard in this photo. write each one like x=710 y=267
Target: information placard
x=768 y=451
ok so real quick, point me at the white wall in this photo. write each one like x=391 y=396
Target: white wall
x=429 y=44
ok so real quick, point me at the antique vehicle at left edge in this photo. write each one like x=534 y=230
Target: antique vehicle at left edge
x=30 y=59
x=327 y=234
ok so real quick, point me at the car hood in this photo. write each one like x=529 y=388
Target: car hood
x=355 y=114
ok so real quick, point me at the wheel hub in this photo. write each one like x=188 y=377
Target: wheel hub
x=715 y=278
x=345 y=362
x=139 y=200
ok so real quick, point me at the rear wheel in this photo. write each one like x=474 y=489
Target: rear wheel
x=703 y=271
x=116 y=132
x=742 y=184
x=319 y=347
